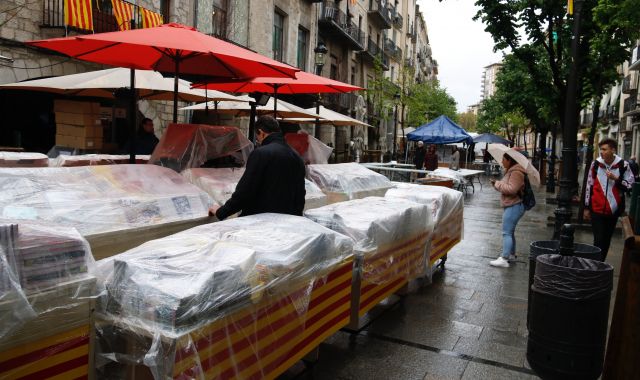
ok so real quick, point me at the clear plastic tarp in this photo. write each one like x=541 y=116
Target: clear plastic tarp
x=98 y=199
x=383 y=229
x=342 y=182
x=64 y=160
x=221 y=183
x=184 y=146
x=173 y=299
x=46 y=283
x=23 y=160
x=312 y=150
x=446 y=207
x=454 y=175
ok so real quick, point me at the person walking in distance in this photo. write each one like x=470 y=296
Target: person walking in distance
x=510 y=187
x=418 y=157
x=609 y=178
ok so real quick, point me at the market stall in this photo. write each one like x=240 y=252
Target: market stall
x=446 y=207
x=341 y=182
x=23 y=160
x=221 y=183
x=114 y=207
x=47 y=292
x=390 y=237
x=66 y=161
x=242 y=298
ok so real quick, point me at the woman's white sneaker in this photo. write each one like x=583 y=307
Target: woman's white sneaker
x=499 y=262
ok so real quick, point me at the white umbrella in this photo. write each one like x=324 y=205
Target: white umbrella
x=285 y=110
x=330 y=117
x=151 y=85
x=499 y=150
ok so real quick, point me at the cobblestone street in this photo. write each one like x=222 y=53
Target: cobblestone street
x=470 y=323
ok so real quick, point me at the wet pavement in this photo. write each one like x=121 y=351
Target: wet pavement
x=470 y=323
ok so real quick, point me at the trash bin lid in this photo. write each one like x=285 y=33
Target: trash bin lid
x=572 y=277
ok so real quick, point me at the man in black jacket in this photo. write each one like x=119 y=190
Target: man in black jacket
x=273 y=180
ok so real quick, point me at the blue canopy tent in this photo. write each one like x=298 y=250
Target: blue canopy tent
x=441 y=130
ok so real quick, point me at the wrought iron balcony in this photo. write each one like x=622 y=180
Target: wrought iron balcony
x=629 y=84
x=612 y=113
x=631 y=106
x=340 y=102
x=389 y=46
x=380 y=12
x=398 y=21
x=373 y=52
x=103 y=17
x=336 y=23
x=634 y=63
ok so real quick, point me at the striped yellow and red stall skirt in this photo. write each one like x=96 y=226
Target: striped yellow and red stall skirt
x=447 y=234
x=381 y=274
x=62 y=356
x=260 y=341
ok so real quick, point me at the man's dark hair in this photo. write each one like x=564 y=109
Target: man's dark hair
x=511 y=159
x=268 y=124
x=608 y=141
x=144 y=121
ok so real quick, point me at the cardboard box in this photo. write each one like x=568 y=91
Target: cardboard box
x=79 y=119
x=79 y=142
x=73 y=130
x=72 y=106
x=90 y=143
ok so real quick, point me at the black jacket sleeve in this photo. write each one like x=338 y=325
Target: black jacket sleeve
x=246 y=188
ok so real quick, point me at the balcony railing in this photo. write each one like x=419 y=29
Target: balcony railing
x=341 y=25
x=380 y=11
x=630 y=105
x=398 y=21
x=389 y=46
x=612 y=113
x=103 y=18
x=373 y=52
x=340 y=102
x=634 y=64
x=629 y=84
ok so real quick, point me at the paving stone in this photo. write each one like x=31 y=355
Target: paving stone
x=491 y=351
x=476 y=371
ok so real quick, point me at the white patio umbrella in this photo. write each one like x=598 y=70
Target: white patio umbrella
x=499 y=150
x=328 y=116
x=151 y=85
x=285 y=110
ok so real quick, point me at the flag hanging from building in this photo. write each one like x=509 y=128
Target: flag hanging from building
x=78 y=14
x=123 y=13
x=150 y=19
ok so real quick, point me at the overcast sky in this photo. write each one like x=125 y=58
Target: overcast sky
x=461 y=47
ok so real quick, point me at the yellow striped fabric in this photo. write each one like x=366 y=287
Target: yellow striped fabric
x=78 y=14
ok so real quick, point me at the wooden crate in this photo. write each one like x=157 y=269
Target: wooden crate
x=382 y=274
x=58 y=342
x=258 y=341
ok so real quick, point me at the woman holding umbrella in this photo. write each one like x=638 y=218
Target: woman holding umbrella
x=510 y=188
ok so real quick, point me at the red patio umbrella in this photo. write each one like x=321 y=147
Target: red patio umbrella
x=303 y=83
x=170 y=48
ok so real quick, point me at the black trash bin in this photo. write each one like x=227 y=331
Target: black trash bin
x=550 y=247
x=569 y=311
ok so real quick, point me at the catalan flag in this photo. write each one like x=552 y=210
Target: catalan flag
x=123 y=12
x=150 y=19
x=78 y=14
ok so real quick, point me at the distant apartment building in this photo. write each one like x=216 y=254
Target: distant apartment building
x=489 y=80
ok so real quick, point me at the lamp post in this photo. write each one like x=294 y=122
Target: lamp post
x=320 y=53
x=396 y=99
x=570 y=130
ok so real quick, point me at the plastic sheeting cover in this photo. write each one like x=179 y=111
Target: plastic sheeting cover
x=221 y=183
x=184 y=146
x=456 y=176
x=23 y=160
x=64 y=160
x=98 y=199
x=351 y=180
x=374 y=222
x=188 y=279
x=442 y=201
x=572 y=277
x=46 y=278
x=312 y=150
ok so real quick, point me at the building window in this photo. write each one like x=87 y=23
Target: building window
x=303 y=38
x=278 y=35
x=333 y=74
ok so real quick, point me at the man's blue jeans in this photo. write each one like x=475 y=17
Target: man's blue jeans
x=510 y=218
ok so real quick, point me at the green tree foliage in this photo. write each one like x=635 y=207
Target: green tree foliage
x=494 y=117
x=431 y=100
x=468 y=121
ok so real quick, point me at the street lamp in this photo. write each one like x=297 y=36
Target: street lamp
x=396 y=99
x=320 y=52
x=570 y=130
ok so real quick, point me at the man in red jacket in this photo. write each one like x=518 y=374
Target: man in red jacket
x=609 y=178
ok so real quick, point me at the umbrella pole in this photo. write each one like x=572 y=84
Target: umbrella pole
x=175 y=91
x=206 y=102
x=275 y=101
x=252 y=122
x=215 y=107
x=133 y=116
